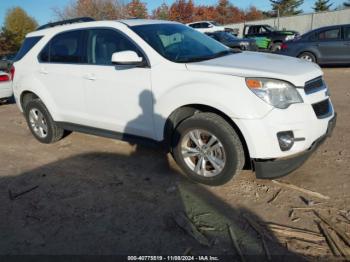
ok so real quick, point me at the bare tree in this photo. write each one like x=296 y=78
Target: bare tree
x=97 y=9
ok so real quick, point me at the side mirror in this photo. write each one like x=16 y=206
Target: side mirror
x=210 y=26
x=126 y=58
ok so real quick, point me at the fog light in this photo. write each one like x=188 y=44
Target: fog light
x=286 y=140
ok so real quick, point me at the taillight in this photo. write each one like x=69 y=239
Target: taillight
x=12 y=72
x=284 y=46
x=4 y=78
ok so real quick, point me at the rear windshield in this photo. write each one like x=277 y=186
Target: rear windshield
x=28 y=44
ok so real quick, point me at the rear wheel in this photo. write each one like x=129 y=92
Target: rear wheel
x=41 y=123
x=208 y=149
x=308 y=57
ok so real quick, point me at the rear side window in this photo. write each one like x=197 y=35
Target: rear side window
x=331 y=34
x=64 y=48
x=347 y=33
x=27 y=45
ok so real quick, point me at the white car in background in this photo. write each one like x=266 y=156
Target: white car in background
x=5 y=85
x=207 y=26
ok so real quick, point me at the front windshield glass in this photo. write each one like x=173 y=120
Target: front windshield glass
x=180 y=43
x=269 y=28
x=215 y=23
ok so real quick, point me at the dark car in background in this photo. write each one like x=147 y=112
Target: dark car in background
x=267 y=37
x=234 y=42
x=6 y=61
x=326 y=45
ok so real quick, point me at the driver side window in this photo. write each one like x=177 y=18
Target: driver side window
x=205 y=25
x=102 y=43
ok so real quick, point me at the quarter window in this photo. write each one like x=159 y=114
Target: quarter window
x=28 y=44
x=102 y=43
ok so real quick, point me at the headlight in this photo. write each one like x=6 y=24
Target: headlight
x=277 y=93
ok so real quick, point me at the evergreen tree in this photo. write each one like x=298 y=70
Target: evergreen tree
x=286 y=7
x=322 y=5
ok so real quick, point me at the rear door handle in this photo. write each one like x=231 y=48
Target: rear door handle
x=43 y=71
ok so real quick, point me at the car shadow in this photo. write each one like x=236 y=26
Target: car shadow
x=100 y=203
x=107 y=204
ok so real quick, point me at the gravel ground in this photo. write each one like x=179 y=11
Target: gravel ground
x=97 y=196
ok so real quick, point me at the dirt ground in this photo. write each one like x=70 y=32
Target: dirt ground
x=97 y=196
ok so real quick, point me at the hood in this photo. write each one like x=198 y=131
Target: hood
x=253 y=64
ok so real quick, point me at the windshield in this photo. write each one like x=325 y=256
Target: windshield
x=215 y=23
x=180 y=43
x=269 y=28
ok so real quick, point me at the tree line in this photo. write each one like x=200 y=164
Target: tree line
x=18 y=23
x=186 y=11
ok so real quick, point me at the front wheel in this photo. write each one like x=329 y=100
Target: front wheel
x=208 y=149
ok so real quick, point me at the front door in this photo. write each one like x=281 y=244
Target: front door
x=118 y=98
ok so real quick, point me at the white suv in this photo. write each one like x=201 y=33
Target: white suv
x=215 y=110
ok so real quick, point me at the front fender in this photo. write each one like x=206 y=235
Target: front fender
x=225 y=93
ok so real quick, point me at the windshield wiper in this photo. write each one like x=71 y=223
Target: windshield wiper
x=204 y=58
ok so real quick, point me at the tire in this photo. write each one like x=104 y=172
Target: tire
x=275 y=47
x=41 y=124
x=228 y=153
x=308 y=57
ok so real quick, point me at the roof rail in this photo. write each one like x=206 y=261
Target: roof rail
x=65 y=22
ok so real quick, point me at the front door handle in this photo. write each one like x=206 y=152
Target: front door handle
x=90 y=77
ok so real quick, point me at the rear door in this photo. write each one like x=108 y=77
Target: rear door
x=60 y=73
x=330 y=45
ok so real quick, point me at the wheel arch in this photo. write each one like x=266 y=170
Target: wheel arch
x=25 y=97
x=186 y=111
x=311 y=52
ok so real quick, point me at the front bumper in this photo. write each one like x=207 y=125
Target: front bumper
x=274 y=168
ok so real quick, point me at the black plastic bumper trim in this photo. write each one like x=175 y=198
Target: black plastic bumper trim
x=269 y=169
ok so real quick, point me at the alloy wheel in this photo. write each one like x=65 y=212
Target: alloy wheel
x=38 y=123
x=203 y=153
